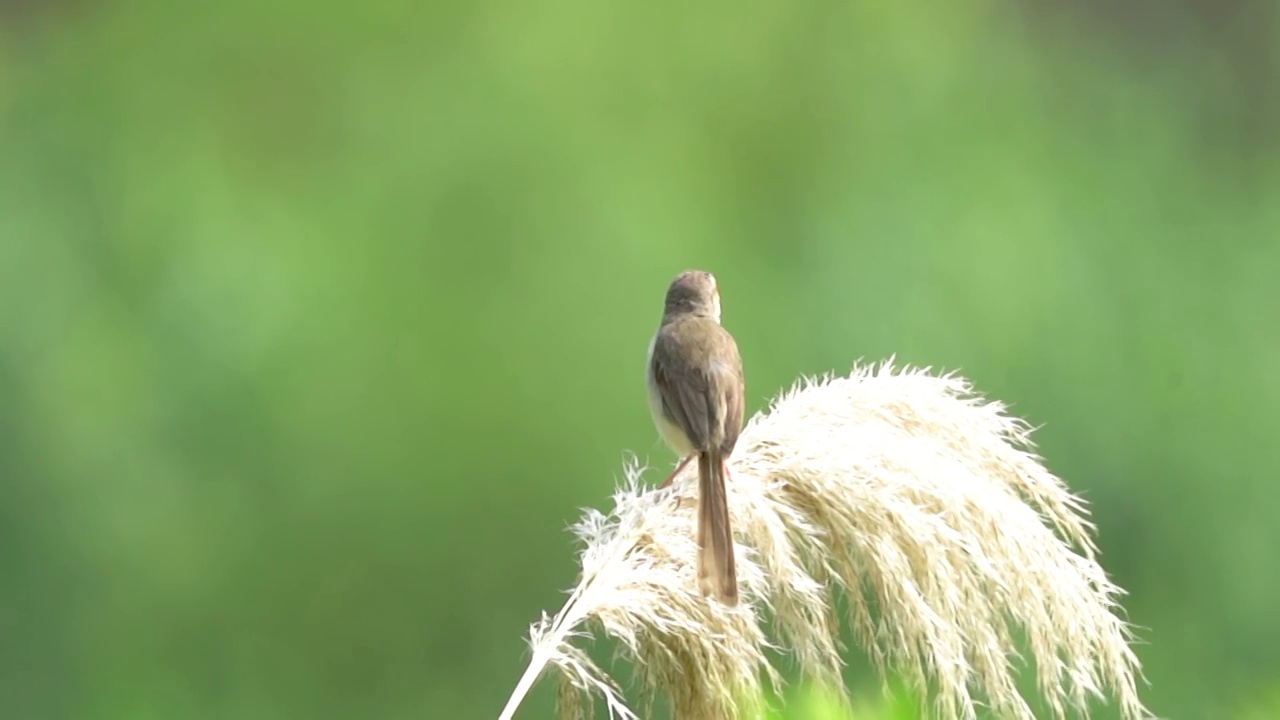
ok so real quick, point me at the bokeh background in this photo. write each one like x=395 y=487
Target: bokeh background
x=319 y=322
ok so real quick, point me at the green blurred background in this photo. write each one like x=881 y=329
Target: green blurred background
x=320 y=322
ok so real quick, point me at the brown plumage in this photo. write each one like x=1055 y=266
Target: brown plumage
x=695 y=386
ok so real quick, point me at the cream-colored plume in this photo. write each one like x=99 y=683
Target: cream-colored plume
x=922 y=503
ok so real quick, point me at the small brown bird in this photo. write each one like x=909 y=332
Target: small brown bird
x=695 y=385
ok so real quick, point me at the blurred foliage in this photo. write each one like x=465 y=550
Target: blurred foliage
x=813 y=703
x=320 y=322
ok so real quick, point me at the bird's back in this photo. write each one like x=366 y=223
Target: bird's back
x=700 y=383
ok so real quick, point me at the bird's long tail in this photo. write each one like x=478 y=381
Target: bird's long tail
x=717 y=573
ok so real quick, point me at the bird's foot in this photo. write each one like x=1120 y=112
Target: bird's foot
x=675 y=472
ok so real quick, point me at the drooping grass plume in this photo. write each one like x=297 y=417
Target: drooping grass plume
x=922 y=503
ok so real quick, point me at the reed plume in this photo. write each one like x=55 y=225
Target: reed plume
x=918 y=501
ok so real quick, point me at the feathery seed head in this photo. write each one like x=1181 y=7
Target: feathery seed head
x=922 y=503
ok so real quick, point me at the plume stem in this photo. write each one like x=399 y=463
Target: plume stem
x=547 y=647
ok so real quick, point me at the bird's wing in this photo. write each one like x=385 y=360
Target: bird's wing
x=728 y=381
x=682 y=382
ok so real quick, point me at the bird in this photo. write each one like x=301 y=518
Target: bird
x=695 y=386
